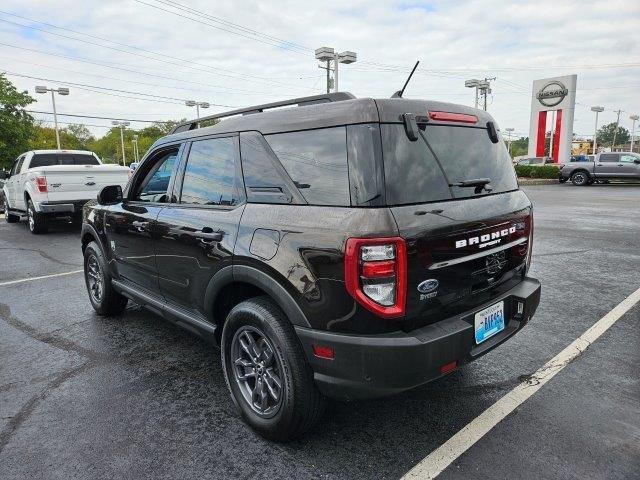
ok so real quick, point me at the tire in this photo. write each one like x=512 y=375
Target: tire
x=580 y=178
x=9 y=217
x=104 y=299
x=38 y=223
x=299 y=404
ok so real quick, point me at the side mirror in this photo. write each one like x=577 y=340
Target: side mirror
x=110 y=195
x=637 y=161
x=3 y=175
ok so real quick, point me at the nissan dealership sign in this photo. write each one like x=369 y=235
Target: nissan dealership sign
x=553 y=101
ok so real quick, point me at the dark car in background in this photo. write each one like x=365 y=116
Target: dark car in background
x=347 y=248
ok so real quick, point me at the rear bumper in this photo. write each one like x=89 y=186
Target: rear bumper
x=62 y=207
x=379 y=365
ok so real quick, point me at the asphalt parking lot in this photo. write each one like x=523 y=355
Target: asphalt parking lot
x=135 y=397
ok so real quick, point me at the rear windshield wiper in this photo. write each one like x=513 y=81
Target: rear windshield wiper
x=479 y=184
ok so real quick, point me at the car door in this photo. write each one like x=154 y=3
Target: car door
x=197 y=233
x=607 y=165
x=628 y=166
x=130 y=225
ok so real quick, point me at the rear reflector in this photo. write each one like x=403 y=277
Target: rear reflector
x=323 y=351
x=448 y=367
x=41 y=184
x=378 y=269
x=453 y=117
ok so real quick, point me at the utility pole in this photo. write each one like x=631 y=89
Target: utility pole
x=485 y=88
x=135 y=147
x=615 y=132
x=634 y=119
x=328 y=69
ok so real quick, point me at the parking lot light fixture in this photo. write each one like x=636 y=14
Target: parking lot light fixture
x=634 y=119
x=198 y=105
x=122 y=125
x=328 y=54
x=595 y=133
x=59 y=91
x=473 y=83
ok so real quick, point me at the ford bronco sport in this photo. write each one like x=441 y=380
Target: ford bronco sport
x=344 y=248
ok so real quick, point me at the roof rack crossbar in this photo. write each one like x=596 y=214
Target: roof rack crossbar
x=301 y=101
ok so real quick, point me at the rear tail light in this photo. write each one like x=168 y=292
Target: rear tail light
x=41 y=184
x=375 y=272
x=453 y=117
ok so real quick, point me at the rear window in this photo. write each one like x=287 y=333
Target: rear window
x=417 y=172
x=316 y=161
x=48 y=159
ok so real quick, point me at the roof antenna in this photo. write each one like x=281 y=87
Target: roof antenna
x=399 y=93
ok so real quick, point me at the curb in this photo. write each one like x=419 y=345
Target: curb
x=537 y=181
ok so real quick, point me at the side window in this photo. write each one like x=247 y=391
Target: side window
x=265 y=179
x=210 y=174
x=155 y=184
x=316 y=161
x=628 y=158
x=364 y=150
x=17 y=166
x=609 y=157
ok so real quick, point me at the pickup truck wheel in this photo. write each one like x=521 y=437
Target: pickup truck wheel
x=104 y=299
x=267 y=372
x=37 y=221
x=580 y=179
x=9 y=217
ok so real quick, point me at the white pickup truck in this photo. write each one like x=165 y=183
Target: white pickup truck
x=43 y=184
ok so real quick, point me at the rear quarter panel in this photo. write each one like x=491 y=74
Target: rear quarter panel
x=301 y=247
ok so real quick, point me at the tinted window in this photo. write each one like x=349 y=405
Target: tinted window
x=77 y=159
x=17 y=166
x=609 y=158
x=419 y=171
x=156 y=183
x=265 y=179
x=43 y=160
x=210 y=175
x=316 y=161
x=365 y=172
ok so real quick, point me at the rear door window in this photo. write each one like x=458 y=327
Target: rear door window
x=210 y=174
x=421 y=171
x=316 y=161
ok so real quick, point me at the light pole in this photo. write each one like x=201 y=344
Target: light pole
x=509 y=130
x=595 y=133
x=135 y=147
x=122 y=126
x=473 y=83
x=634 y=119
x=198 y=105
x=328 y=54
x=615 y=132
x=60 y=91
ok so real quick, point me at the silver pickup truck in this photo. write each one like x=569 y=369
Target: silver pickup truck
x=607 y=166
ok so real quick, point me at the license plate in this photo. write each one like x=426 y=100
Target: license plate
x=489 y=321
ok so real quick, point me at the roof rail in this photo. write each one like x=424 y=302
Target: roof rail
x=300 y=102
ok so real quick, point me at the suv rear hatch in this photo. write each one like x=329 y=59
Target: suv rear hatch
x=465 y=244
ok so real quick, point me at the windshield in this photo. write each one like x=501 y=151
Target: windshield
x=421 y=171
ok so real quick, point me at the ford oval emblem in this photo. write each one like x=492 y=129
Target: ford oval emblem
x=428 y=285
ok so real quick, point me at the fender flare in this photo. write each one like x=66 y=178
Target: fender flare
x=257 y=278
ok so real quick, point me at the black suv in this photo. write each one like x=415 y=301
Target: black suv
x=344 y=248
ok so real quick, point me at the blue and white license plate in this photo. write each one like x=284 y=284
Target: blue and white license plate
x=489 y=321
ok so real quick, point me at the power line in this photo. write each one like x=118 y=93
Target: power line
x=95 y=117
x=182 y=64
x=114 y=90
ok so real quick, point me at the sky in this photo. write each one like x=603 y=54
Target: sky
x=155 y=54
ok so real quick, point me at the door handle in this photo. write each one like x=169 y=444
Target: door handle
x=208 y=236
x=620 y=165
x=141 y=226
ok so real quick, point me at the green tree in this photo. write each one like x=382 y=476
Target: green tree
x=605 y=135
x=80 y=135
x=519 y=146
x=16 y=125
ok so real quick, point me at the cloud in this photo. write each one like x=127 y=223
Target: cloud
x=517 y=42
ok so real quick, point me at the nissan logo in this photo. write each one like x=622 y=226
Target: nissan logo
x=552 y=94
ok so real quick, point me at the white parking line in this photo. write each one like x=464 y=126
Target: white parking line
x=12 y=282
x=448 y=452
